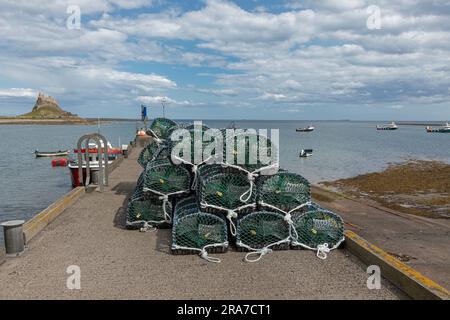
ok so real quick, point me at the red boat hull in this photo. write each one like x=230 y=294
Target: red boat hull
x=76 y=177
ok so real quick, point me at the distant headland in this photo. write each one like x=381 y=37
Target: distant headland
x=46 y=110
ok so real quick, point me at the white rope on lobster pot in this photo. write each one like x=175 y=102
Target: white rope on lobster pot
x=260 y=252
x=322 y=249
x=194 y=168
x=251 y=176
x=288 y=216
x=165 y=198
x=203 y=253
x=157 y=139
x=231 y=213
x=146 y=225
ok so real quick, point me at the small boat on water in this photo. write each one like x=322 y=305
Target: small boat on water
x=59 y=153
x=391 y=126
x=307 y=129
x=305 y=153
x=443 y=129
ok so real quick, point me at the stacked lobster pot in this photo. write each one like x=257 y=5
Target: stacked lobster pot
x=310 y=226
x=152 y=201
x=196 y=231
x=248 y=156
x=145 y=211
x=225 y=191
x=232 y=192
x=166 y=182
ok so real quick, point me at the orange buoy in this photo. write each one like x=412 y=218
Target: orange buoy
x=141 y=133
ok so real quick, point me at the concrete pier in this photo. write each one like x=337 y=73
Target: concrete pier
x=421 y=243
x=116 y=263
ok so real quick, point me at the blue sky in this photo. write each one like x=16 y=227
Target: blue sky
x=250 y=59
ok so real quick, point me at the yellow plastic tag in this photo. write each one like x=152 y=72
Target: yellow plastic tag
x=161 y=181
x=253 y=232
x=219 y=193
x=314 y=231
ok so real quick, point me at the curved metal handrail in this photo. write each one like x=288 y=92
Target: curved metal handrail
x=102 y=159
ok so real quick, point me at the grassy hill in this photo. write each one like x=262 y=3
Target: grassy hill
x=45 y=111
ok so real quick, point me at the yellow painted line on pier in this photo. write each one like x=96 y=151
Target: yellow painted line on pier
x=401 y=275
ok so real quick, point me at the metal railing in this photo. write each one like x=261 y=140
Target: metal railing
x=102 y=159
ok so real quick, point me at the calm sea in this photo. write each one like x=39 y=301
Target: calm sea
x=341 y=149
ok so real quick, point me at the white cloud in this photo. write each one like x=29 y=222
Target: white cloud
x=315 y=52
x=18 y=92
x=231 y=92
x=272 y=96
x=143 y=81
x=158 y=100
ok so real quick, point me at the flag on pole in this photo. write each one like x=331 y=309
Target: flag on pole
x=143 y=112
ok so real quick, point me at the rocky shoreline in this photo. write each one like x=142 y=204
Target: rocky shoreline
x=415 y=187
x=77 y=121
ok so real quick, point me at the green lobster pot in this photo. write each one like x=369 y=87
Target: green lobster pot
x=162 y=128
x=144 y=209
x=284 y=191
x=249 y=150
x=153 y=151
x=316 y=226
x=163 y=178
x=189 y=158
x=194 y=230
x=262 y=229
x=220 y=189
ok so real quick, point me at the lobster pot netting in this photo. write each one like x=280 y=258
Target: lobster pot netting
x=192 y=152
x=221 y=191
x=250 y=151
x=185 y=206
x=283 y=191
x=195 y=231
x=145 y=210
x=164 y=178
x=152 y=151
x=262 y=231
x=317 y=227
x=227 y=190
x=161 y=128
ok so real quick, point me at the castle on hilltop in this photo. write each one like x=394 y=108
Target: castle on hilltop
x=48 y=107
x=43 y=100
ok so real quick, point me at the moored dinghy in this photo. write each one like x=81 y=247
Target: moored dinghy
x=305 y=153
x=58 y=153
